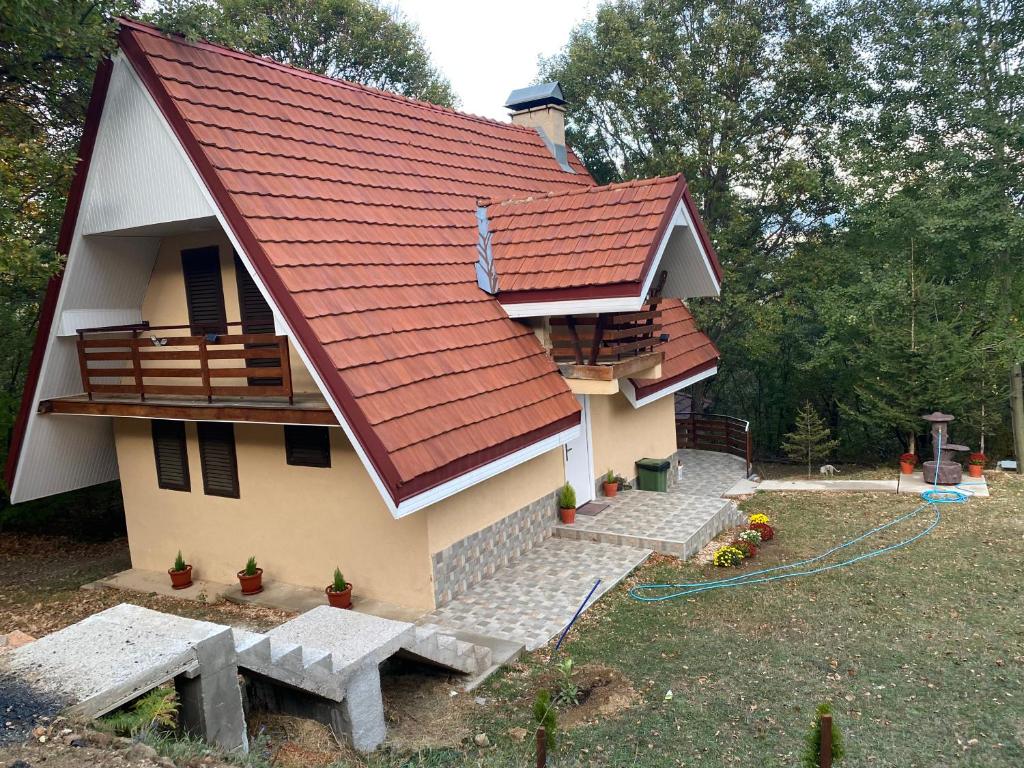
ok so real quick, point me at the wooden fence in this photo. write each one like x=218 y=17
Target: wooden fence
x=716 y=432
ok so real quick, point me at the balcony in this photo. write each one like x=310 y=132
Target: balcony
x=604 y=348
x=171 y=371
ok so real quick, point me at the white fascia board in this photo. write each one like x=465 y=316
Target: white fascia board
x=414 y=503
x=630 y=391
x=478 y=475
x=681 y=218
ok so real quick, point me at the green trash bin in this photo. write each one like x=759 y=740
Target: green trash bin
x=652 y=474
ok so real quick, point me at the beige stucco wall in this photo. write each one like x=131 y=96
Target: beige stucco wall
x=299 y=522
x=622 y=434
x=165 y=302
x=482 y=505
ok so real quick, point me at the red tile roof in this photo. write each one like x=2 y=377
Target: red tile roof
x=688 y=350
x=595 y=236
x=357 y=208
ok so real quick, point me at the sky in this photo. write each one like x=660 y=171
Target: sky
x=489 y=48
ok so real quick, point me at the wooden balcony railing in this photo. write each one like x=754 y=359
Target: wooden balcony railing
x=607 y=338
x=144 y=360
x=716 y=432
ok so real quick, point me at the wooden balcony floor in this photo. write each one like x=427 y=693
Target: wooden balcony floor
x=306 y=408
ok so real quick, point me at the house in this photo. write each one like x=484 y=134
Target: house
x=327 y=325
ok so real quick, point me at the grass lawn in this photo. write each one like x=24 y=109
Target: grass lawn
x=921 y=652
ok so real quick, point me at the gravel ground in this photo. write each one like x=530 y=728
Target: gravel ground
x=23 y=709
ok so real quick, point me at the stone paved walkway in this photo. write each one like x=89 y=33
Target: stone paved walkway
x=533 y=598
x=679 y=522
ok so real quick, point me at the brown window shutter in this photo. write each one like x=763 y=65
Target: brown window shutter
x=171 y=454
x=204 y=291
x=257 y=317
x=306 y=446
x=217 y=457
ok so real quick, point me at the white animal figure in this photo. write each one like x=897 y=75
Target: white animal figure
x=828 y=470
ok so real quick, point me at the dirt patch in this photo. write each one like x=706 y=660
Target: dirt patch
x=421 y=711
x=707 y=553
x=294 y=742
x=603 y=693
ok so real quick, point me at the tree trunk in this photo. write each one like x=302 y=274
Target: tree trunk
x=1017 y=411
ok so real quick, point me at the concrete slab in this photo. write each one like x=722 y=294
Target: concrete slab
x=352 y=638
x=279 y=595
x=157 y=582
x=111 y=657
x=907 y=484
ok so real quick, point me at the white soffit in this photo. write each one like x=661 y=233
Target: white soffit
x=630 y=391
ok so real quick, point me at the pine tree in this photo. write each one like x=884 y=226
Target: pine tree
x=811 y=440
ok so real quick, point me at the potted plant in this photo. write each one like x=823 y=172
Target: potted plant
x=251 y=578
x=976 y=465
x=567 y=504
x=339 y=591
x=611 y=484
x=181 y=573
x=907 y=463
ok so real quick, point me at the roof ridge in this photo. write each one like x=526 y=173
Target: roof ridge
x=146 y=27
x=488 y=201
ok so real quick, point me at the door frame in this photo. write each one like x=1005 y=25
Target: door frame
x=587 y=493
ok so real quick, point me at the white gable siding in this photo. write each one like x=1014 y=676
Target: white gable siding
x=143 y=177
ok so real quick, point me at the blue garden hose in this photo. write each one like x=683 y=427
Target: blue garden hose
x=933 y=497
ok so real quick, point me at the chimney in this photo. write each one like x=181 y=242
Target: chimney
x=542 y=107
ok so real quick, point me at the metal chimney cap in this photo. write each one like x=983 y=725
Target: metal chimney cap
x=938 y=418
x=535 y=96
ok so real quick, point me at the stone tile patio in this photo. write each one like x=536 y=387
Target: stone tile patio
x=533 y=598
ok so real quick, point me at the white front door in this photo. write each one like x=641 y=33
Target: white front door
x=579 y=461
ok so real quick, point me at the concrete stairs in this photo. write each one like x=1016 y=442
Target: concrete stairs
x=435 y=646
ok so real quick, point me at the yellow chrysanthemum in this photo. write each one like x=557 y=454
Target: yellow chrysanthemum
x=759 y=518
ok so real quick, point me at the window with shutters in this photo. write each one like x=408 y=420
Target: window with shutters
x=217 y=457
x=257 y=317
x=204 y=291
x=307 y=446
x=171 y=454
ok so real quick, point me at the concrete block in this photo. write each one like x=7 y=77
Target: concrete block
x=362 y=710
x=211 y=704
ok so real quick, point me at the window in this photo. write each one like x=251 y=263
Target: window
x=307 y=446
x=217 y=456
x=171 y=455
x=204 y=292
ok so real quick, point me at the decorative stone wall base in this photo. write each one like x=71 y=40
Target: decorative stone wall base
x=469 y=561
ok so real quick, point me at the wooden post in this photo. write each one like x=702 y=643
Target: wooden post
x=83 y=365
x=204 y=369
x=825 y=751
x=542 y=747
x=137 y=364
x=1017 y=414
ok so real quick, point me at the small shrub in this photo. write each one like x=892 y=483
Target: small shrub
x=568 y=691
x=250 y=566
x=179 y=563
x=544 y=716
x=567 y=497
x=609 y=477
x=811 y=757
x=157 y=709
x=750 y=536
x=758 y=518
x=727 y=556
x=766 y=531
x=748 y=549
x=339 y=584
x=911 y=457
x=977 y=459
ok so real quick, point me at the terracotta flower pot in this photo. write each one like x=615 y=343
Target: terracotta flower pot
x=251 y=585
x=976 y=470
x=181 y=579
x=610 y=489
x=907 y=467
x=341 y=599
x=568 y=515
